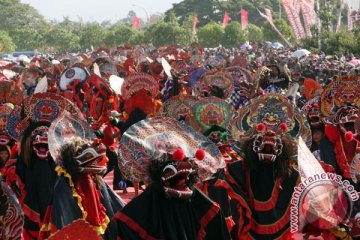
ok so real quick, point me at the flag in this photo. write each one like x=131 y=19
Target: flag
x=292 y=9
x=136 y=22
x=268 y=13
x=195 y=23
x=244 y=18
x=226 y=19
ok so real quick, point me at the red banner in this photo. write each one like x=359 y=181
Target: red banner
x=195 y=22
x=226 y=19
x=136 y=22
x=244 y=18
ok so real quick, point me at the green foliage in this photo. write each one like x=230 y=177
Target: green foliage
x=60 y=40
x=138 y=38
x=213 y=10
x=211 y=35
x=254 y=33
x=6 y=43
x=333 y=43
x=119 y=34
x=23 y=23
x=233 y=35
x=92 y=34
x=163 y=33
x=282 y=26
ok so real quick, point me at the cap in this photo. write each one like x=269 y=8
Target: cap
x=115 y=113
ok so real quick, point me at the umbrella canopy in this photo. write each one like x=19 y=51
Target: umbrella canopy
x=246 y=46
x=300 y=53
x=354 y=62
x=277 y=45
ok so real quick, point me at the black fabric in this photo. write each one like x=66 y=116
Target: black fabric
x=39 y=180
x=65 y=208
x=113 y=165
x=327 y=154
x=262 y=184
x=174 y=219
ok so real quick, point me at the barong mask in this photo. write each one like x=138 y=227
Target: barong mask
x=40 y=142
x=267 y=120
x=340 y=102
x=178 y=107
x=176 y=173
x=313 y=112
x=267 y=143
x=84 y=156
x=148 y=151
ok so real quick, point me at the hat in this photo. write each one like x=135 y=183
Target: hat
x=114 y=113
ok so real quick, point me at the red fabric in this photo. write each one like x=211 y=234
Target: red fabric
x=242 y=208
x=229 y=223
x=119 y=216
x=141 y=100
x=30 y=235
x=195 y=22
x=226 y=19
x=109 y=141
x=244 y=18
x=86 y=188
x=332 y=133
x=136 y=22
x=30 y=214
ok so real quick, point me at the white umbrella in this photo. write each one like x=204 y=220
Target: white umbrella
x=277 y=45
x=300 y=53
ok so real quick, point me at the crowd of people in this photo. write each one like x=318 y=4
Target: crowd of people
x=219 y=139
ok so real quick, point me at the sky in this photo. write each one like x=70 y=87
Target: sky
x=101 y=10
x=98 y=10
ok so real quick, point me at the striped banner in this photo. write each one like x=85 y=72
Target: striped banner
x=309 y=15
x=292 y=9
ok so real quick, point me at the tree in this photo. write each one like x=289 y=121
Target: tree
x=60 y=40
x=119 y=34
x=138 y=38
x=284 y=28
x=6 y=43
x=23 y=23
x=163 y=33
x=169 y=32
x=213 y=10
x=92 y=34
x=211 y=35
x=340 y=42
x=233 y=35
x=254 y=33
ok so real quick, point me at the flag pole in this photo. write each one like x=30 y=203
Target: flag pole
x=275 y=28
x=319 y=24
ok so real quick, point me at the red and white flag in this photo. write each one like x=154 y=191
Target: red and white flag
x=136 y=22
x=244 y=18
x=309 y=15
x=226 y=19
x=292 y=9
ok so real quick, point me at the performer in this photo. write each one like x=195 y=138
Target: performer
x=79 y=187
x=35 y=167
x=266 y=128
x=170 y=207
